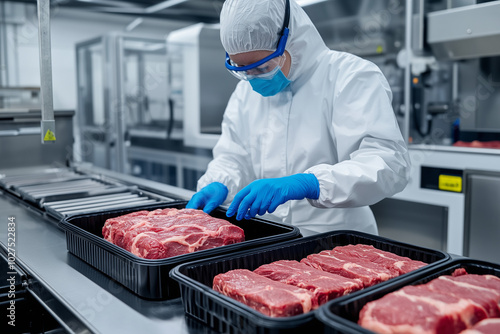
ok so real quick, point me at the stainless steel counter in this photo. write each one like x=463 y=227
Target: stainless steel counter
x=65 y=283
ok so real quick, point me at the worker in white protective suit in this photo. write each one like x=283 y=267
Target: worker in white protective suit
x=309 y=134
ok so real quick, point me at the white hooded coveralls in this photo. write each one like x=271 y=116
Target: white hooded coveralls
x=334 y=120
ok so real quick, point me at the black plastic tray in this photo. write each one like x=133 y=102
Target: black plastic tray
x=341 y=316
x=224 y=314
x=149 y=278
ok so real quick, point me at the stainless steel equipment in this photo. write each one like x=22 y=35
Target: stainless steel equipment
x=471 y=33
x=67 y=191
x=171 y=164
x=122 y=92
x=30 y=315
x=454 y=71
x=416 y=223
x=131 y=98
x=19 y=98
x=196 y=58
x=478 y=100
x=92 y=203
x=465 y=32
x=48 y=175
x=20 y=140
x=482 y=215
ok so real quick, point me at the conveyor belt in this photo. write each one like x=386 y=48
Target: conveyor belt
x=62 y=188
x=51 y=175
x=96 y=301
x=127 y=199
x=64 y=192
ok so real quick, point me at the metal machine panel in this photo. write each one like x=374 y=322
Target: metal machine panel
x=465 y=32
x=482 y=216
x=20 y=140
x=416 y=223
x=478 y=88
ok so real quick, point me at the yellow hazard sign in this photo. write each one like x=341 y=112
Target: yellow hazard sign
x=49 y=136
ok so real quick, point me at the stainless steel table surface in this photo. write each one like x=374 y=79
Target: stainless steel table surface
x=100 y=304
x=84 y=298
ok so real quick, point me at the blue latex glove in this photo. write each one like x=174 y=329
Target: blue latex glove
x=267 y=194
x=209 y=197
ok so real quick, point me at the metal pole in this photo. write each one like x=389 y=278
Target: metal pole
x=4 y=68
x=407 y=85
x=48 y=124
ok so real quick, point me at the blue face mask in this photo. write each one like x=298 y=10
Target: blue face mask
x=270 y=87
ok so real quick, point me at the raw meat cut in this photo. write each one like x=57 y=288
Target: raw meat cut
x=269 y=297
x=324 y=286
x=416 y=309
x=165 y=233
x=368 y=273
x=478 y=144
x=484 y=281
x=478 y=288
x=448 y=304
x=459 y=272
x=487 y=326
x=363 y=262
x=388 y=260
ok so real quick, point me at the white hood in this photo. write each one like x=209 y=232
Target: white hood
x=256 y=24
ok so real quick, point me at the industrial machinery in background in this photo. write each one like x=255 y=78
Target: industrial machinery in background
x=20 y=131
x=149 y=107
x=121 y=84
x=452 y=56
x=455 y=73
x=20 y=145
x=19 y=98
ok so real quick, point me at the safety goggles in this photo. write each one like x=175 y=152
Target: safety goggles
x=264 y=71
x=268 y=66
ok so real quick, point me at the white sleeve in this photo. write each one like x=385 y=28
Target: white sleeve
x=231 y=165
x=373 y=157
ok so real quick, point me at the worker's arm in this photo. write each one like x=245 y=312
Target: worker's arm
x=374 y=161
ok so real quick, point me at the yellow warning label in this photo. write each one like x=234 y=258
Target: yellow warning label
x=450 y=183
x=49 y=136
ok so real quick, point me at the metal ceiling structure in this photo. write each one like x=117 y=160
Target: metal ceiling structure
x=207 y=11
x=183 y=10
